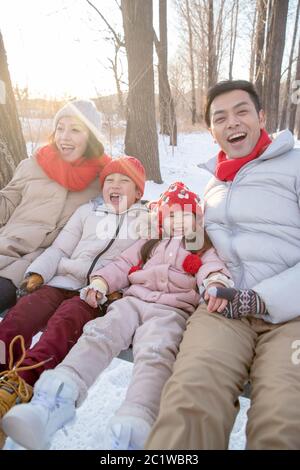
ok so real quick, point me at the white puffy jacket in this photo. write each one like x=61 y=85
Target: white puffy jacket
x=92 y=238
x=254 y=224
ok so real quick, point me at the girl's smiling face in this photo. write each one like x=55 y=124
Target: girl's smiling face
x=178 y=223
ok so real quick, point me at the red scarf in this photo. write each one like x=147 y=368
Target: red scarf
x=226 y=169
x=74 y=176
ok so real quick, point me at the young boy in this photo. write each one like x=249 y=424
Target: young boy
x=95 y=234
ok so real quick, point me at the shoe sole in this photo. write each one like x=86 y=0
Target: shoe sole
x=14 y=426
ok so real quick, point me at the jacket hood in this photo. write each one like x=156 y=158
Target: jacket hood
x=100 y=206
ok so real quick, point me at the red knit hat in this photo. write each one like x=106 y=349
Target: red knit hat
x=128 y=166
x=178 y=196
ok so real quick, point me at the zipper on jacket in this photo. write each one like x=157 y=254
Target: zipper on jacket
x=121 y=219
x=112 y=240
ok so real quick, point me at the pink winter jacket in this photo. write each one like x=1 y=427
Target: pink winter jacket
x=162 y=278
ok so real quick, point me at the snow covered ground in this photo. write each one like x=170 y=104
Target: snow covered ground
x=104 y=398
x=87 y=432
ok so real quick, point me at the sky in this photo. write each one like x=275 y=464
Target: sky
x=54 y=48
x=60 y=48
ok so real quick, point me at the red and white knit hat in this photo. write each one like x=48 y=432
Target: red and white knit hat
x=129 y=166
x=178 y=197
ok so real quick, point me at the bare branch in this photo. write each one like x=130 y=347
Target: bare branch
x=112 y=30
x=156 y=42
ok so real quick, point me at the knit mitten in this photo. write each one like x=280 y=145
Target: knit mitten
x=242 y=302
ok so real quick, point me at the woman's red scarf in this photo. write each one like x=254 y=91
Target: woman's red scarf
x=226 y=169
x=74 y=176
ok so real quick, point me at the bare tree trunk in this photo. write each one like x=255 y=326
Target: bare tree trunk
x=141 y=135
x=274 y=54
x=286 y=95
x=295 y=96
x=212 y=62
x=219 y=38
x=261 y=7
x=233 y=31
x=252 y=58
x=12 y=144
x=297 y=127
x=117 y=77
x=168 y=125
x=192 y=66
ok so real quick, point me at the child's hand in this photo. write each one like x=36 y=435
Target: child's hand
x=93 y=298
x=213 y=303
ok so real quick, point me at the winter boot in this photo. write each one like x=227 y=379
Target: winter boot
x=126 y=433
x=13 y=389
x=33 y=425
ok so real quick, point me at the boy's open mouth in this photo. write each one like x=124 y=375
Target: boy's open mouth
x=115 y=198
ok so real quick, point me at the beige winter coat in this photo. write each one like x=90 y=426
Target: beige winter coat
x=33 y=209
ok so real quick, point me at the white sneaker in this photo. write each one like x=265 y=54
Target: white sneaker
x=126 y=433
x=33 y=424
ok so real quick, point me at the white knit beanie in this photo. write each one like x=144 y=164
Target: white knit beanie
x=85 y=111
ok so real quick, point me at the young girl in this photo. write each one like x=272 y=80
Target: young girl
x=45 y=191
x=95 y=234
x=162 y=278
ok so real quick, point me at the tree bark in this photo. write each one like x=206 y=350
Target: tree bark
x=192 y=65
x=233 y=31
x=141 y=138
x=295 y=97
x=261 y=6
x=252 y=58
x=287 y=88
x=274 y=54
x=12 y=144
x=212 y=60
x=168 y=124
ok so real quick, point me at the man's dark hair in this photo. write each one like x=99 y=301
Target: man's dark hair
x=226 y=86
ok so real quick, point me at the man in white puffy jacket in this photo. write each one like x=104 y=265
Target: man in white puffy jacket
x=253 y=219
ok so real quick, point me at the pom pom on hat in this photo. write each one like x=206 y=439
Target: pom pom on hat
x=192 y=264
x=138 y=267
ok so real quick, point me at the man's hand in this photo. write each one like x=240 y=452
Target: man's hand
x=215 y=304
x=30 y=284
x=93 y=297
x=242 y=302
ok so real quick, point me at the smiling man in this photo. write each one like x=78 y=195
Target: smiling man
x=252 y=215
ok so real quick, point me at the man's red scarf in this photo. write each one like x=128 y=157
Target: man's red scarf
x=226 y=169
x=74 y=176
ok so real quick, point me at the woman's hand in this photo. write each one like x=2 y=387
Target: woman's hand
x=30 y=284
x=215 y=304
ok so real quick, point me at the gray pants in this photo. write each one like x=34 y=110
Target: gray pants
x=155 y=332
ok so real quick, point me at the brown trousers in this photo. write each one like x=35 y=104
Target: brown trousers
x=199 y=402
